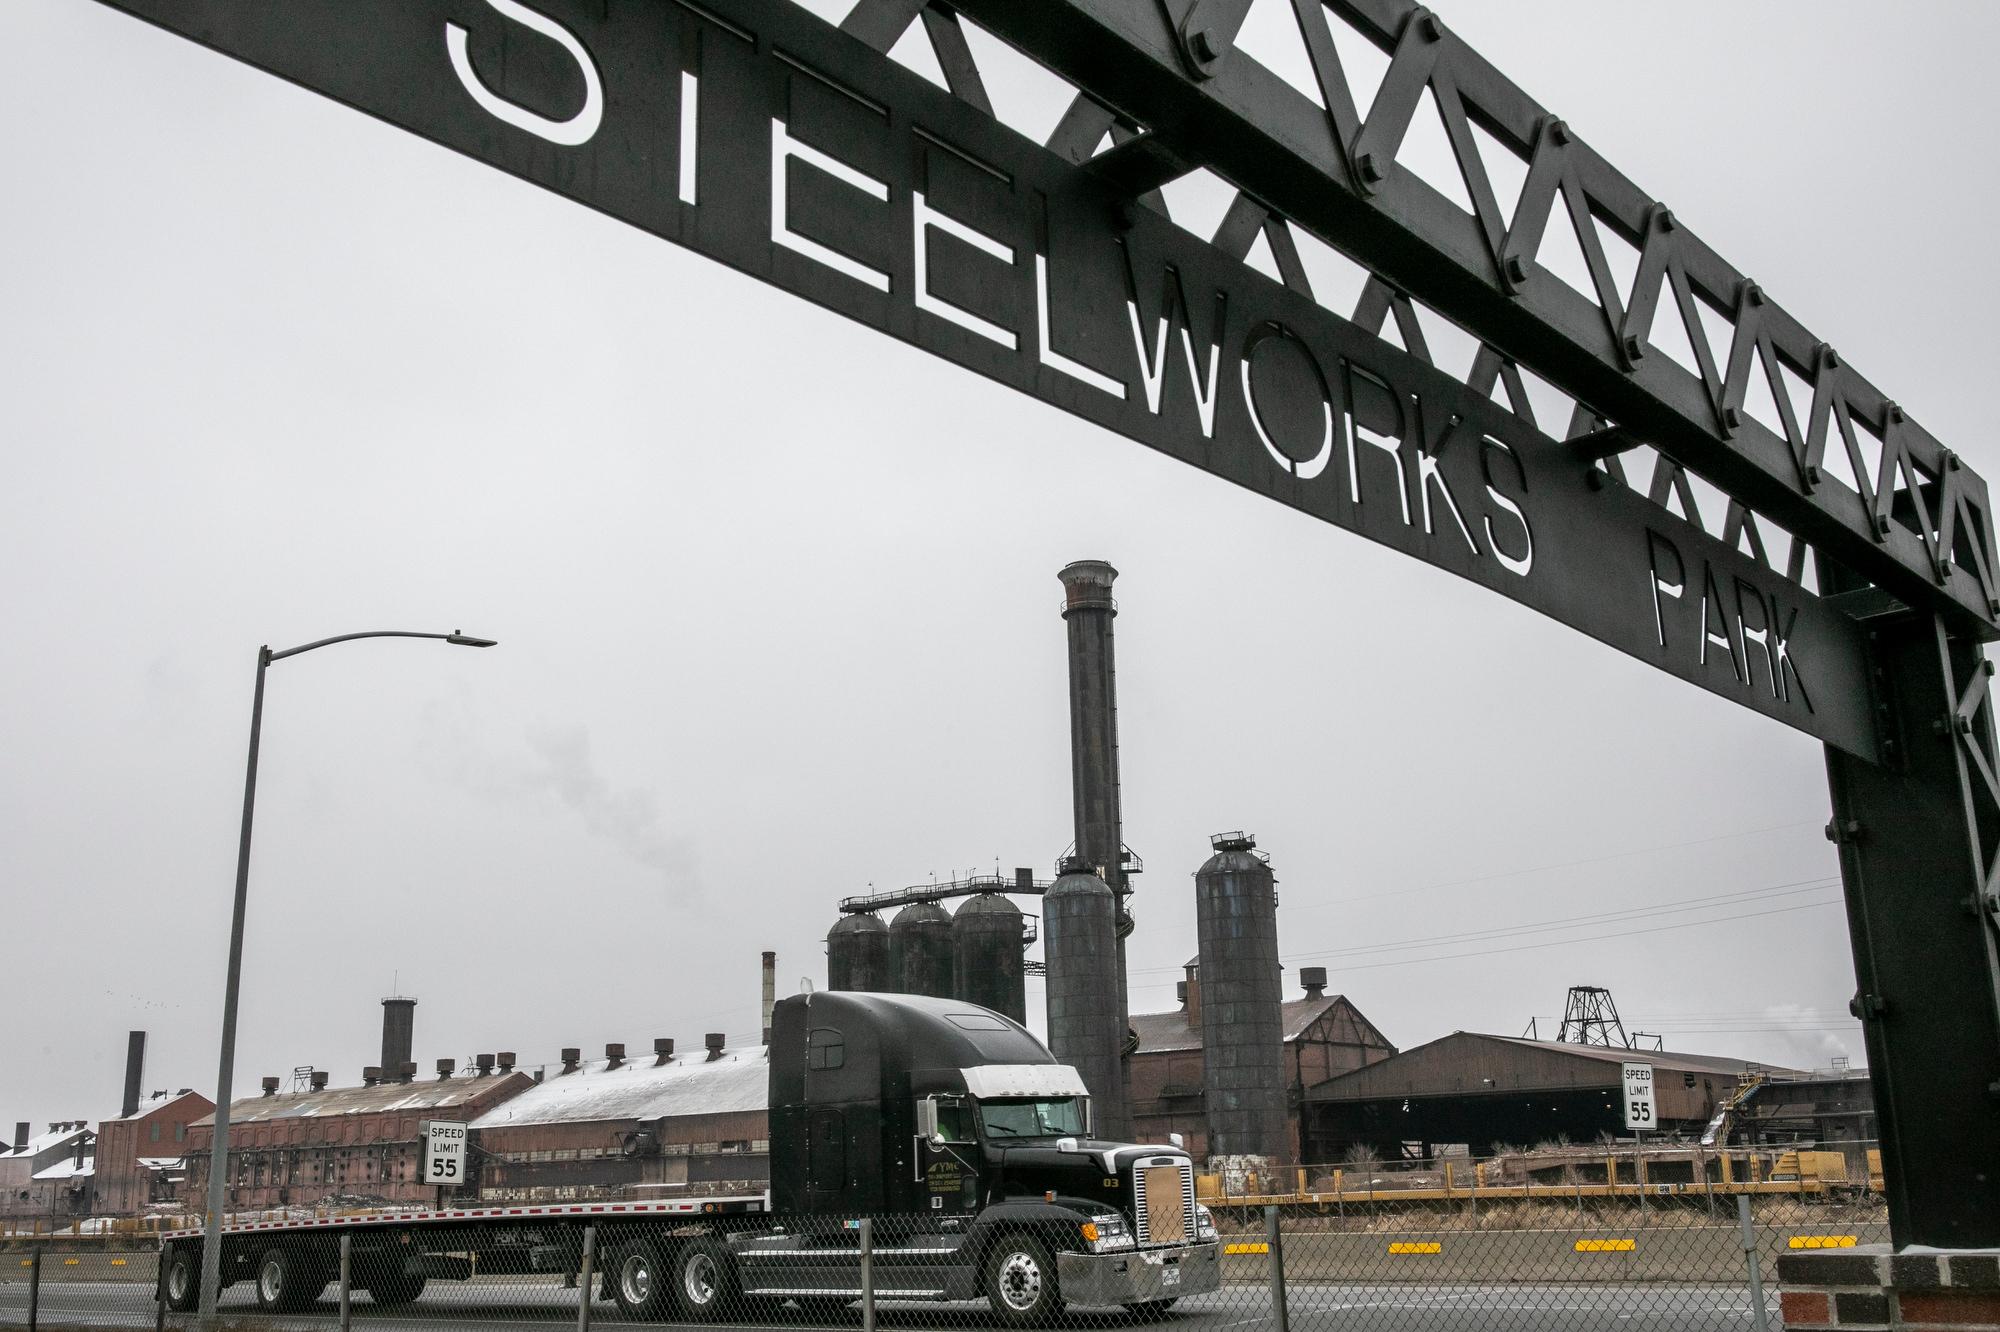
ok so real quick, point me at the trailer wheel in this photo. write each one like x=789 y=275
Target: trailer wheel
x=639 y=1282
x=285 y=1281
x=389 y=1292
x=1021 y=1282
x=181 y=1282
x=704 y=1280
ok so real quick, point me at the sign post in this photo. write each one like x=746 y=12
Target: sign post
x=444 y=1154
x=1639 y=1116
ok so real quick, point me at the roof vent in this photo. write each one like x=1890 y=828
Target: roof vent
x=371 y=1075
x=614 y=1055
x=445 y=1067
x=506 y=1058
x=715 y=1040
x=1314 y=981
x=571 y=1057
x=484 y=1063
x=270 y=1086
x=320 y=1078
x=663 y=1049
x=409 y=1070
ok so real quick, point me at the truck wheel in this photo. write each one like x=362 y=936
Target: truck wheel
x=1151 y=1309
x=182 y=1280
x=638 y=1279
x=1021 y=1282
x=285 y=1281
x=389 y=1292
x=704 y=1280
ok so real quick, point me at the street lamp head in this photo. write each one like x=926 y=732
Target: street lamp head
x=467 y=640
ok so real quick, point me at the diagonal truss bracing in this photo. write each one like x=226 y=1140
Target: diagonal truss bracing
x=1916 y=524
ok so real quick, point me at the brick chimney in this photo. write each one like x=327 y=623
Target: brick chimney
x=1191 y=994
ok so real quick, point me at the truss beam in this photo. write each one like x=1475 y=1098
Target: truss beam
x=1332 y=169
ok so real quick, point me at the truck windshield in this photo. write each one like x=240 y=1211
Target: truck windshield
x=1032 y=1119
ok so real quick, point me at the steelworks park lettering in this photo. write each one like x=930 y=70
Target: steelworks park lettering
x=847 y=180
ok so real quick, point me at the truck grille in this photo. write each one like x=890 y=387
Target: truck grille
x=1163 y=1199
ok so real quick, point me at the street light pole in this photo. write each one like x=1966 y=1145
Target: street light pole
x=218 y=1158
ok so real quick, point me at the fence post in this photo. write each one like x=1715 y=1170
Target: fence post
x=1749 y=1238
x=346 y=1279
x=867 y=1274
x=160 y=1288
x=34 y=1287
x=1274 y=1241
x=585 y=1279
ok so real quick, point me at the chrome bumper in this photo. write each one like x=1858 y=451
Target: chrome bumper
x=1135 y=1276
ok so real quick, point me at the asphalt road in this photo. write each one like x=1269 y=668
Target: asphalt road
x=489 y=1305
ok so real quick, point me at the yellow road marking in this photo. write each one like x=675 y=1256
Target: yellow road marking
x=1432 y=1247
x=118 y=1262
x=1821 y=1242
x=1246 y=1248
x=69 y=1262
x=1606 y=1246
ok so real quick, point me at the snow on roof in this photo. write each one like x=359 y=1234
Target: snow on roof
x=434 y=1094
x=44 y=1141
x=157 y=1101
x=1618 y=1054
x=642 y=1088
x=67 y=1168
x=1170 y=1031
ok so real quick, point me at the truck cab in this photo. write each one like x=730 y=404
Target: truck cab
x=969 y=1148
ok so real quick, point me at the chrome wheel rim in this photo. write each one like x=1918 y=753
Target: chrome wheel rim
x=698 y=1278
x=271 y=1281
x=635 y=1279
x=1020 y=1281
x=178 y=1278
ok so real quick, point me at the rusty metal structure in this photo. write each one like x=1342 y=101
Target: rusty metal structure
x=1846 y=587
x=1242 y=997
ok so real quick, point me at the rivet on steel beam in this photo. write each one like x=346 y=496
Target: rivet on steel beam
x=1516 y=268
x=1753 y=293
x=1370 y=167
x=1986 y=666
x=1964 y=724
x=1944 y=570
x=1635 y=347
x=1732 y=419
x=1558 y=132
x=1895 y=414
x=1665 y=218
x=1843 y=830
x=1881 y=525
x=1865 y=1006
x=1812 y=476
x=1828 y=356
x=1952 y=462
x=1428 y=26
x=1597 y=478
x=1201 y=44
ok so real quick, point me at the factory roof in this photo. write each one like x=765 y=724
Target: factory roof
x=1170 y=1031
x=1476 y=1063
x=69 y=1168
x=156 y=1102
x=435 y=1094
x=42 y=1142
x=642 y=1088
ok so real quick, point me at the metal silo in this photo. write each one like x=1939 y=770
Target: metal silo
x=1242 y=991
x=920 y=950
x=1086 y=1031
x=857 y=954
x=987 y=955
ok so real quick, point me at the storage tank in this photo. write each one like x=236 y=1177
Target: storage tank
x=1086 y=1030
x=920 y=950
x=857 y=954
x=988 y=965
x=1242 y=993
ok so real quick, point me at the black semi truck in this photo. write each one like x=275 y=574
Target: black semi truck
x=949 y=1126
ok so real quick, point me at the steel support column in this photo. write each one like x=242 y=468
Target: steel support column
x=1918 y=836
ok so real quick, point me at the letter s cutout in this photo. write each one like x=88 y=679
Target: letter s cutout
x=572 y=132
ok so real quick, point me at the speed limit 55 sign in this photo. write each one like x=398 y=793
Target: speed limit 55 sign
x=1639 y=1114
x=444 y=1152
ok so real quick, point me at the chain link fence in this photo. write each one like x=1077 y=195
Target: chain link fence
x=1663 y=1261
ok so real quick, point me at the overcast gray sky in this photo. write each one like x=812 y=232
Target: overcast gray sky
x=777 y=601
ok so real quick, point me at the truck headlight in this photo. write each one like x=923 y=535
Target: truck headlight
x=1106 y=1232
x=1204 y=1223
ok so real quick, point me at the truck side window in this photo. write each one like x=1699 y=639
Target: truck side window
x=954 y=1121
x=825 y=1049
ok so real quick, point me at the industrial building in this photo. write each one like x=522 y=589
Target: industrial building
x=660 y=1125
x=140 y=1154
x=1321 y=1035
x=48 y=1175
x=1481 y=1091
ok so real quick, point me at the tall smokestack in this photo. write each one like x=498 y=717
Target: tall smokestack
x=1242 y=998
x=399 y=1024
x=1080 y=941
x=135 y=1072
x=770 y=991
x=1088 y=610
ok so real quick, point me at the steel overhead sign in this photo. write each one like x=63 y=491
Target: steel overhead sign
x=754 y=133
